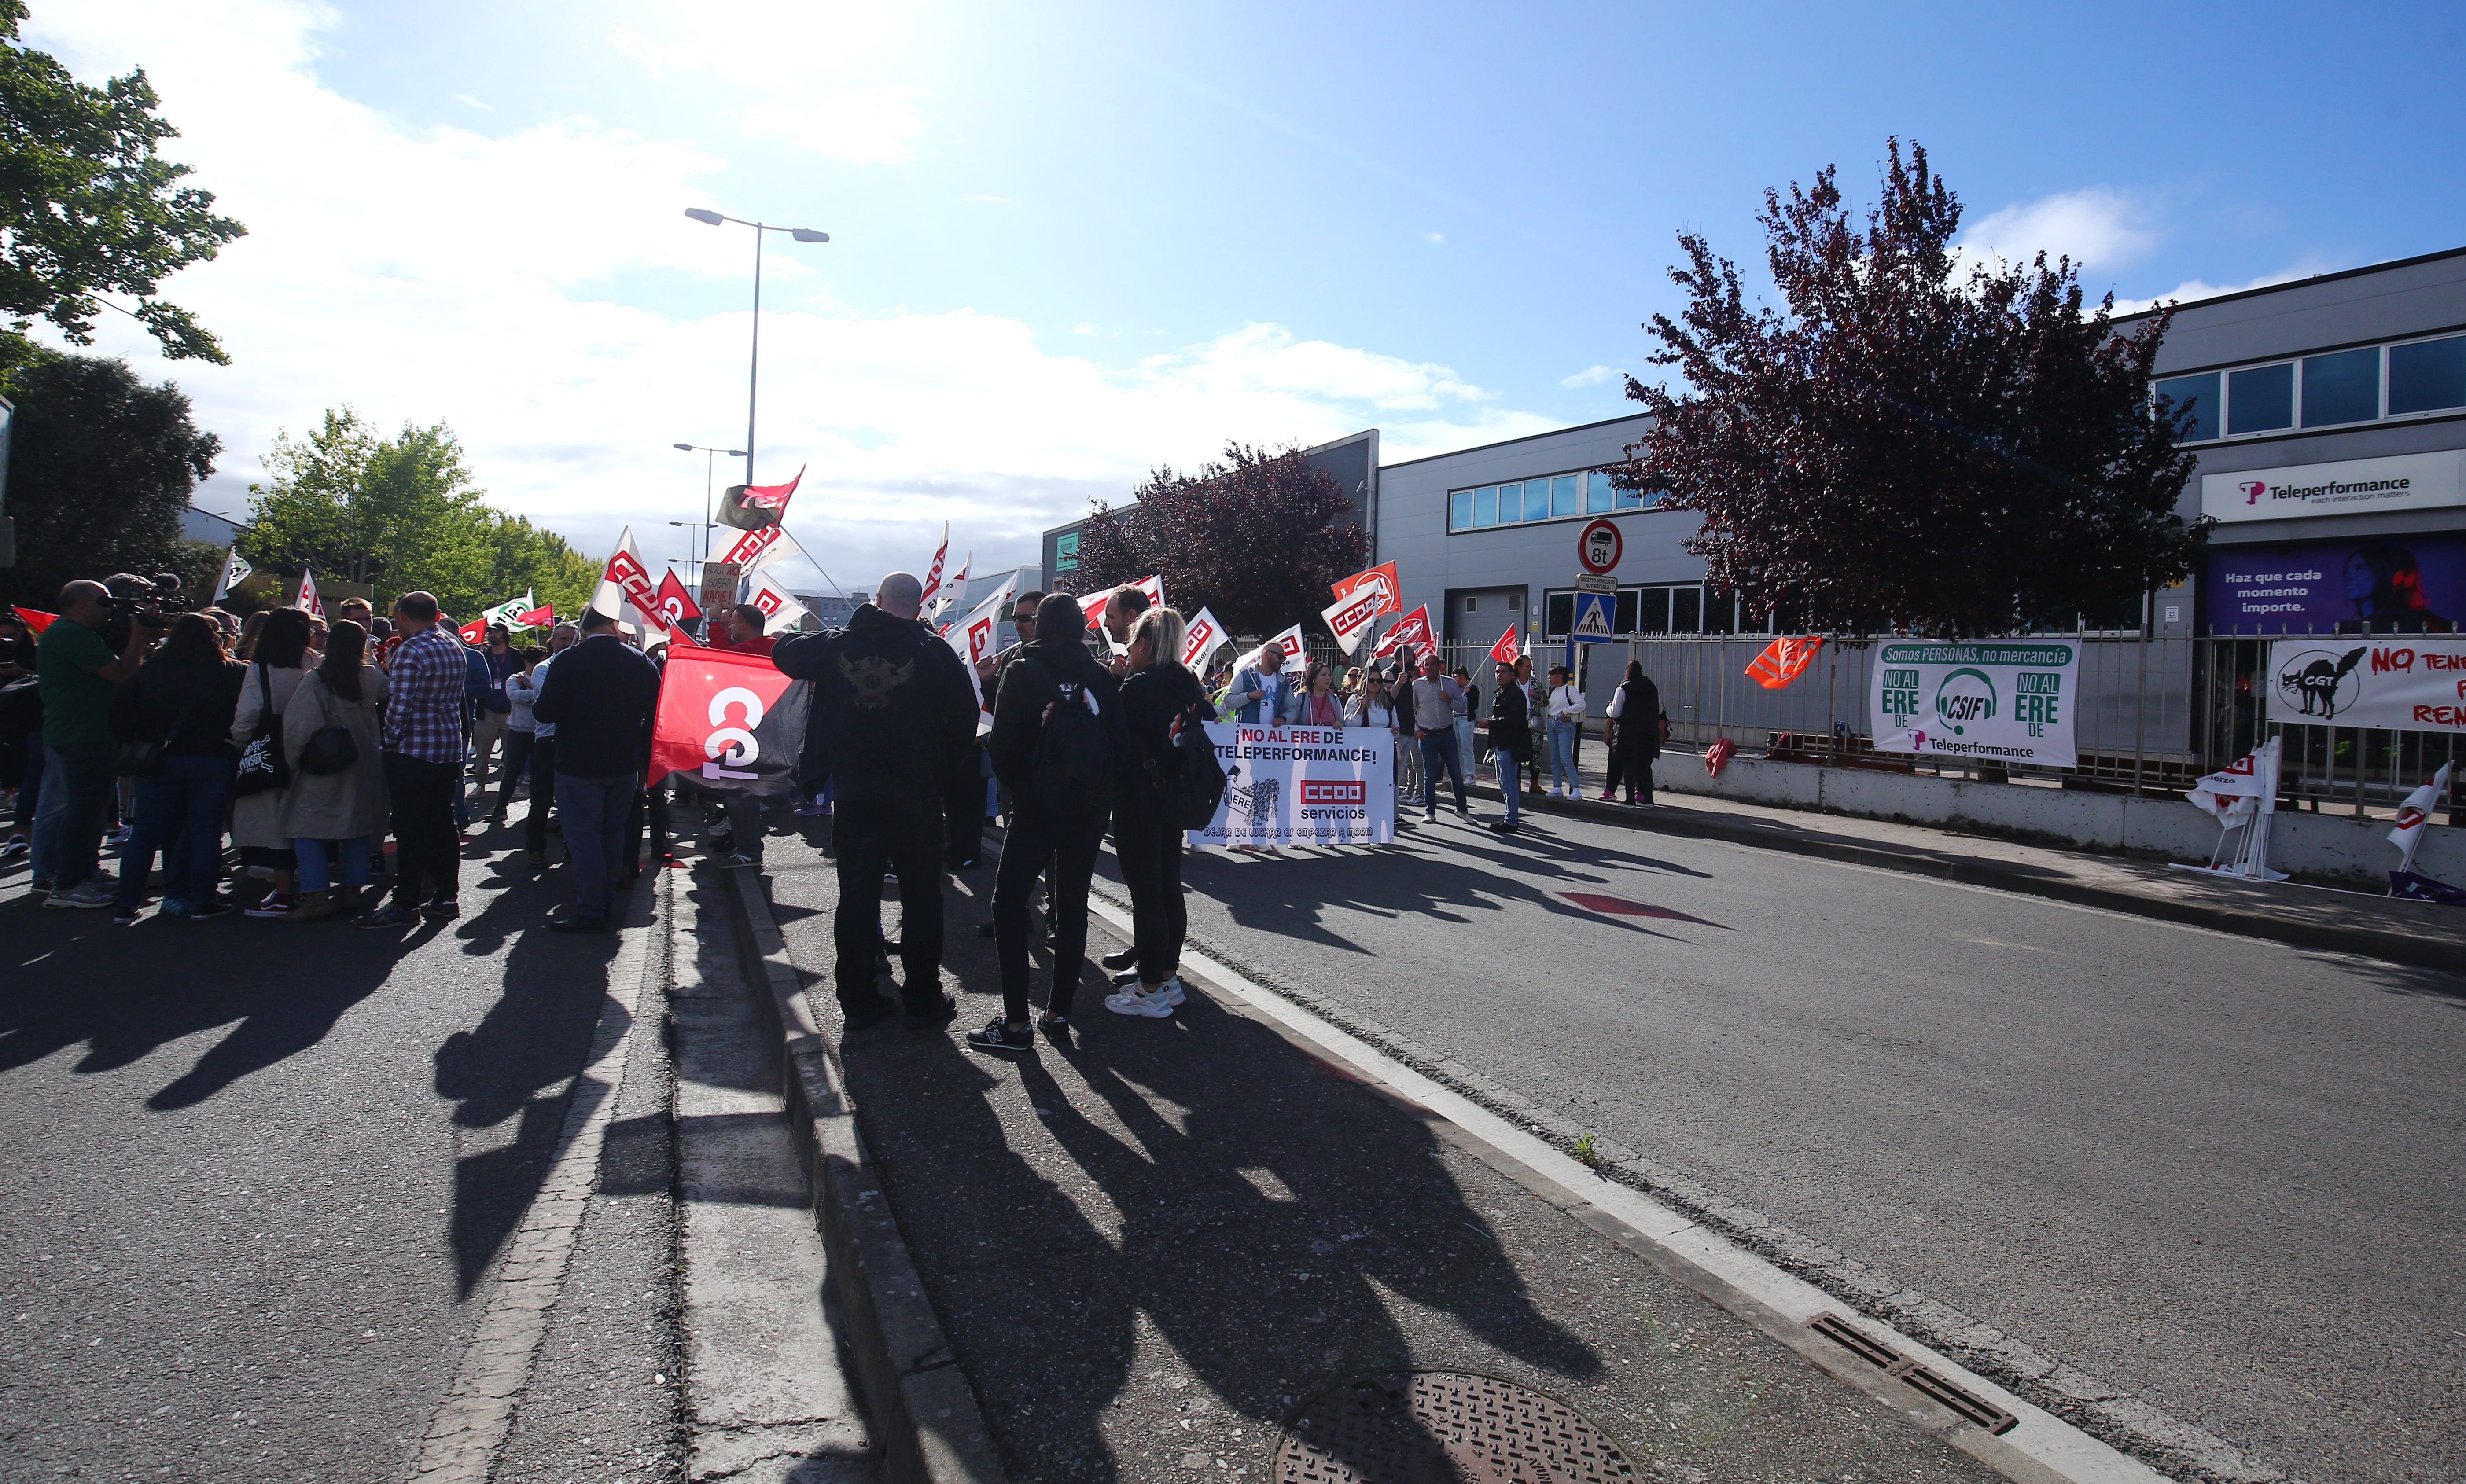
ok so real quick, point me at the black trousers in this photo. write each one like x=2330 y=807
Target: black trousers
x=543 y=794
x=1068 y=846
x=428 y=848
x=1636 y=770
x=1150 y=856
x=905 y=834
x=963 y=815
x=516 y=767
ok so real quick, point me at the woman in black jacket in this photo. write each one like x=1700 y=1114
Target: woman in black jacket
x=1636 y=720
x=1157 y=694
x=183 y=699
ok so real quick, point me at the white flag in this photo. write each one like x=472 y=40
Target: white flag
x=1290 y=642
x=509 y=613
x=234 y=572
x=973 y=635
x=757 y=549
x=954 y=590
x=305 y=599
x=933 y=573
x=1350 y=619
x=780 y=609
x=2415 y=813
x=1201 y=637
x=2249 y=782
x=623 y=581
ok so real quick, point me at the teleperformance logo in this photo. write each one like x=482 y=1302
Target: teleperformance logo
x=2329 y=492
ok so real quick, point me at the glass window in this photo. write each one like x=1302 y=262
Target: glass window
x=1560 y=612
x=1721 y=612
x=2261 y=399
x=1651 y=611
x=1599 y=497
x=1623 y=616
x=1511 y=503
x=1632 y=499
x=1460 y=510
x=2427 y=375
x=1472 y=604
x=1515 y=603
x=2345 y=388
x=1536 y=500
x=2201 y=394
x=1485 y=505
x=1562 y=497
x=1685 y=610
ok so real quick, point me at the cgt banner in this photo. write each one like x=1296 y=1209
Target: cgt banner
x=2406 y=684
x=1997 y=700
x=730 y=722
x=1303 y=785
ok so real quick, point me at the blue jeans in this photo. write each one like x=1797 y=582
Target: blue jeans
x=596 y=836
x=316 y=870
x=1439 y=750
x=179 y=813
x=1563 y=757
x=1508 y=783
x=29 y=793
x=68 y=826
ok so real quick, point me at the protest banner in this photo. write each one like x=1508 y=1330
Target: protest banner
x=730 y=722
x=1303 y=785
x=2407 y=683
x=1200 y=638
x=1991 y=701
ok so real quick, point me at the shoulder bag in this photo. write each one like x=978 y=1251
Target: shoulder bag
x=145 y=759
x=261 y=763
x=330 y=749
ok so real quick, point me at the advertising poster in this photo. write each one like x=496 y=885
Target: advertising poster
x=2404 y=685
x=1303 y=785
x=2391 y=584
x=1999 y=701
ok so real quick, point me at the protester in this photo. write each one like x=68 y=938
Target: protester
x=248 y=629
x=182 y=702
x=1258 y=690
x=1435 y=697
x=76 y=675
x=1511 y=739
x=359 y=611
x=1636 y=724
x=602 y=697
x=522 y=728
x=1315 y=703
x=745 y=623
x=1468 y=705
x=476 y=681
x=1057 y=732
x=1157 y=698
x=334 y=814
x=1022 y=622
x=422 y=747
x=21 y=729
x=317 y=632
x=897 y=733
x=257 y=826
x=492 y=713
x=561 y=638
x=1408 y=752
x=1566 y=713
x=1540 y=743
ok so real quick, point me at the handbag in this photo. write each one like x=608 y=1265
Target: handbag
x=330 y=750
x=145 y=759
x=261 y=763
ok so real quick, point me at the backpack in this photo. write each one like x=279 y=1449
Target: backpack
x=1074 y=762
x=1193 y=787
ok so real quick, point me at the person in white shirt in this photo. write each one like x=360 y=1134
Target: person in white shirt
x=521 y=729
x=1566 y=711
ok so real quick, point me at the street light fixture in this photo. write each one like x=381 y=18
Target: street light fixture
x=753 y=375
x=708 y=469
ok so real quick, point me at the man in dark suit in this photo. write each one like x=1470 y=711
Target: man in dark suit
x=601 y=696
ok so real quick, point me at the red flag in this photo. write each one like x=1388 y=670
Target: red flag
x=730 y=720
x=37 y=619
x=542 y=616
x=1413 y=629
x=1505 y=650
x=1380 y=579
x=474 y=631
x=774 y=497
x=673 y=603
x=1783 y=660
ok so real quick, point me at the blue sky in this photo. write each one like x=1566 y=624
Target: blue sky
x=1075 y=240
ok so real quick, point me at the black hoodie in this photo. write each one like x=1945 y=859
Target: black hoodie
x=1032 y=681
x=893 y=715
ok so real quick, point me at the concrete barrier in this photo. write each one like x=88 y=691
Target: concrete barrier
x=2330 y=847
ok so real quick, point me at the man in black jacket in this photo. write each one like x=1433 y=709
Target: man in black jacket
x=601 y=696
x=894 y=728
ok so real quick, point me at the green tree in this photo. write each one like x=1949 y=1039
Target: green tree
x=88 y=207
x=101 y=466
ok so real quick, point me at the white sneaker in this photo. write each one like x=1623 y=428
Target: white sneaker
x=1130 y=1002
x=1171 y=990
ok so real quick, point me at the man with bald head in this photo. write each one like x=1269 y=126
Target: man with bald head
x=894 y=727
x=77 y=676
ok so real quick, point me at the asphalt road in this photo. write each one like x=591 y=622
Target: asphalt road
x=2221 y=1173
x=256 y=1172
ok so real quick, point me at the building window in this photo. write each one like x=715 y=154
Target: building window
x=1472 y=605
x=1558 y=612
x=1563 y=496
x=2261 y=399
x=1460 y=510
x=1485 y=506
x=1598 y=494
x=1655 y=609
x=2428 y=376
x=2345 y=388
x=2200 y=393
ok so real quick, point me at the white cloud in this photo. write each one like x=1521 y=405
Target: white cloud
x=468 y=101
x=2096 y=227
x=2190 y=289
x=1593 y=376
x=859 y=125
x=1435 y=239
x=814 y=62
x=433 y=273
x=1083 y=327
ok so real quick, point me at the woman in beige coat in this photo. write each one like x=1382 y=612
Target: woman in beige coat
x=326 y=813
x=275 y=668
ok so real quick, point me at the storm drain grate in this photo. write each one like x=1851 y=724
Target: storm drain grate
x=1444 y=1427
x=1967 y=1404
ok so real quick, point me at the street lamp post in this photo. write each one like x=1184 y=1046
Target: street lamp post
x=709 y=469
x=753 y=375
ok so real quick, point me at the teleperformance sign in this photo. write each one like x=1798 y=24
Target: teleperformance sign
x=2407 y=684
x=1303 y=785
x=2354 y=486
x=1998 y=702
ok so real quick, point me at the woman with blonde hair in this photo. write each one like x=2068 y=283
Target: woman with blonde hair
x=1157 y=700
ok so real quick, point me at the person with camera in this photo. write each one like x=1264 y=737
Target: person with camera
x=77 y=674
x=337 y=799
x=172 y=721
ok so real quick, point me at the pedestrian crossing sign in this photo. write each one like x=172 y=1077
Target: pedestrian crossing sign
x=1592 y=623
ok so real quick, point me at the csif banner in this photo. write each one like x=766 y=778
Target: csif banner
x=1998 y=700
x=730 y=722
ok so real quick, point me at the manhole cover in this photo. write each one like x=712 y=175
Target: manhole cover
x=1444 y=1427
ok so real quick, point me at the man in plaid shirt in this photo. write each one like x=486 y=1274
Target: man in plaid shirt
x=422 y=744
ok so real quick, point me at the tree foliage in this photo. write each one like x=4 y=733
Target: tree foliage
x=403 y=514
x=101 y=467
x=1256 y=536
x=88 y=207
x=1913 y=441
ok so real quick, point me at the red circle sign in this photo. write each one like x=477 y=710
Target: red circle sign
x=1599 y=546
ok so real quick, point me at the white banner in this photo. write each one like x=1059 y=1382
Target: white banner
x=2407 y=683
x=2001 y=701
x=1303 y=785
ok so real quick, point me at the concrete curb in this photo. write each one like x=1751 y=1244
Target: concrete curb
x=2390 y=948
x=923 y=1410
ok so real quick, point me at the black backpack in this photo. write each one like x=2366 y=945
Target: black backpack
x=1073 y=764
x=1193 y=787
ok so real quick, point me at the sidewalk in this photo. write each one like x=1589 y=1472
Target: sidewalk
x=2421 y=934
x=1158 y=1249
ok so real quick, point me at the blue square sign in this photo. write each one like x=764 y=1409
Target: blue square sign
x=1593 y=622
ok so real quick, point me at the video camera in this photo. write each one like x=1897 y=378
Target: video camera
x=142 y=598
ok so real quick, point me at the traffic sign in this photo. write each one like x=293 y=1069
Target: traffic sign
x=1598 y=545
x=1593 y=622
x=1596 y=582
